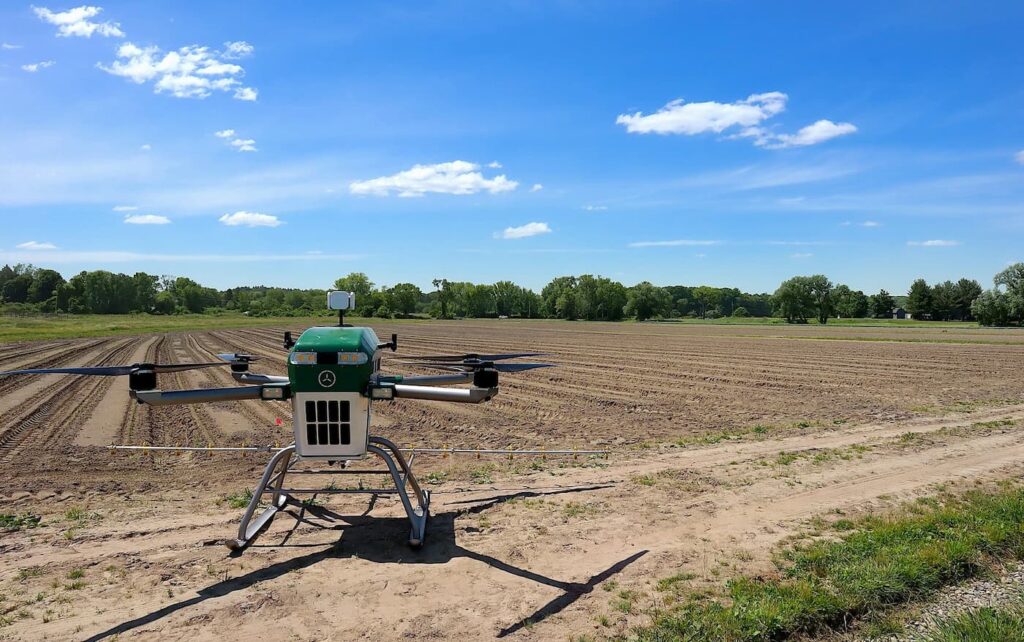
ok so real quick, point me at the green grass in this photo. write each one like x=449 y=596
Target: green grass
x=240 y=499
x=883 y=562
x=18 y=522
x=103 y=325
x=981 y=625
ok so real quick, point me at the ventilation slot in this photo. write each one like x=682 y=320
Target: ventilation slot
x=327 y=423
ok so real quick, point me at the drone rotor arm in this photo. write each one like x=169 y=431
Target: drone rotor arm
x=254 y=378
x=199 y=395
x=438 y=380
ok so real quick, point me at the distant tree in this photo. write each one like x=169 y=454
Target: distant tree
x=44 y=285
x=794 y=300
x=821 y=291
x=599 y=298
x=849 y=304
x=164 y=303
x=506 y=294
x=144 y=291
x=705 y=297
x=943 y=300
x=16 y=289
x=559 y=297
x=882 y=304
x=444 y=296
x=1012 y=279
x=6 y=274
x=740 y=312
x=992 y=307
x=646 y=301
x=404 y=297
x=919 y=299
x=966 y=291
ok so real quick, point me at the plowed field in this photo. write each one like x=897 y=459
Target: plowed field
x=722 y=440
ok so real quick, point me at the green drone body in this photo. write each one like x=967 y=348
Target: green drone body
x=333 y=359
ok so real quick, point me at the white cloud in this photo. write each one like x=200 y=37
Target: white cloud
x=815 y=133
x=189 y=72
x=9 y=46
x=674 y=243
x=236 y=50
x=244 y=144
x=145 y=147
x=250 y=219
x=871 y=224
x=801 y=255
x=536 y=187
x=1019 y=157
x=125 y=208
x=36 y=66
x=494 y=165
x=456 y=177
x=595 y=208
x=745 y=117
x=247 y=94
x=146 y=219
x=933 y=243
x=241 y=144
x=75 y=22
x=35 y=245
x=524 y=231
x=680 y=117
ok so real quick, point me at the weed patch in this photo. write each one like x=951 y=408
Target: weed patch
x=882 y=561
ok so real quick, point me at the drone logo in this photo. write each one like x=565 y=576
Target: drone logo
x=326 y=379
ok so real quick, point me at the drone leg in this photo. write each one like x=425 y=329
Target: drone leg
x=271 y=482
x=401 y=473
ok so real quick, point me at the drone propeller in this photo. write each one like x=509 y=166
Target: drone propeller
x=115 y=371
x=471 y=366
x=452 y=358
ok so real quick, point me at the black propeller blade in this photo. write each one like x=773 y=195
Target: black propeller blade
x=474 y=356
x=500 y=367
x=102 y=371
x=115 y=371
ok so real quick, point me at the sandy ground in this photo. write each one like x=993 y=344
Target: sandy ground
x=824 y=421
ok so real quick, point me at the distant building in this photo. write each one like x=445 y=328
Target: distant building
x=900 y=313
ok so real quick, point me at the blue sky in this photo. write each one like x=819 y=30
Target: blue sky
x=723 y=143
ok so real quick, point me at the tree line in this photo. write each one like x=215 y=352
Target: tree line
x=24 y=288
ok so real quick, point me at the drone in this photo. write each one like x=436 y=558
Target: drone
x=334 y=377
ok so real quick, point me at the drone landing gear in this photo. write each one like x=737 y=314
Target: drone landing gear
x=283 y=462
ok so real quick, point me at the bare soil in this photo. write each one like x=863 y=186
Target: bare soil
x=723 y=440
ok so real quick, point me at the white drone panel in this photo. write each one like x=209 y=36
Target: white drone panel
x=338 y=300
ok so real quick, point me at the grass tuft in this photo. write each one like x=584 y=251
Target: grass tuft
x=240 y=499
x=981 y=625
x=884 y=561
x=18 y=522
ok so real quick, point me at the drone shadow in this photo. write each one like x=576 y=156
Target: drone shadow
x=381 y=540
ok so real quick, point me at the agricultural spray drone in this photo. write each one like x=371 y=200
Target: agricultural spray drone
x=333 y=379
